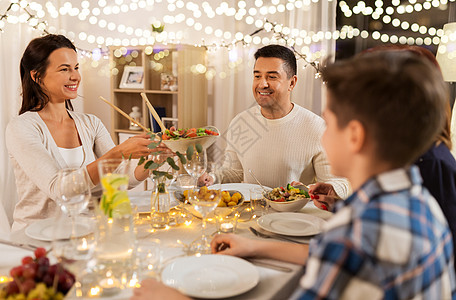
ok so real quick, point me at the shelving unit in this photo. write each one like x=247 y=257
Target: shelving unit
x=188 y=103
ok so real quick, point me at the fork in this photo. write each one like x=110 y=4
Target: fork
x=266 y=236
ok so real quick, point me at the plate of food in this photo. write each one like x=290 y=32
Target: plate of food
x=230 y=201
x=210 y=276
x=291 y=224
x=179 y=140
x=288 y=199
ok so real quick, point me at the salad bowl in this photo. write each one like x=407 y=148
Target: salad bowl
x=287 y=199
x=181 y=143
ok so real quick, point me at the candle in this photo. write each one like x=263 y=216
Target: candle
x=109 y=285
x=226 y=227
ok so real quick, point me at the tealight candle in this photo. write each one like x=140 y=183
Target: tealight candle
x=109 y=285
x=226 y=227
x=227 y=224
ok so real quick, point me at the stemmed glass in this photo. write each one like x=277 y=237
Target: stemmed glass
x=74 y=247
x=204 y=200
x=74 y=190
x=197 y=165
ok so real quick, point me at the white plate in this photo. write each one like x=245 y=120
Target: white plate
x=292 y=224
x=43 y=230
x=210 y=276
x=244 y=188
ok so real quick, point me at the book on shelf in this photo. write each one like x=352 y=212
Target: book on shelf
x=161 y=111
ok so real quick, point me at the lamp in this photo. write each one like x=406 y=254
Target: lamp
x=446 y=57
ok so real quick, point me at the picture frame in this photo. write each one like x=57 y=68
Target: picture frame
x=132 y=78
x=168 y=122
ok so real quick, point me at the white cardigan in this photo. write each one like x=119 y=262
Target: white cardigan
x=36 y=160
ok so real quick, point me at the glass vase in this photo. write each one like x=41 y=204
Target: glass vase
x=160 y=203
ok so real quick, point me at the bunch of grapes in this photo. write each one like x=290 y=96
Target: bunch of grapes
x=36 y=279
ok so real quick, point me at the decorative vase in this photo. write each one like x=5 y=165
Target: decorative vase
x=160 y=203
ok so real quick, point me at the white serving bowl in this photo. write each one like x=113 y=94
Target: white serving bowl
x=289 y=206
x=181 y=145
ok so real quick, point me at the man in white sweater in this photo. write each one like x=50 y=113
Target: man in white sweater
x=278 y=140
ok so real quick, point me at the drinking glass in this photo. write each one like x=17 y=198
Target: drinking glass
x=74 y=190
x=148 y=258
x=258 y=203
x=74 y=246
x=197 y=165
x=204 y=200
x=116 y=236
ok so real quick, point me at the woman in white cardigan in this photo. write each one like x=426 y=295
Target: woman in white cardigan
x=48 y=136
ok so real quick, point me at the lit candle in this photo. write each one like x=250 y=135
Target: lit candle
x=226 y=227
x=109 y=285
x=83 y=246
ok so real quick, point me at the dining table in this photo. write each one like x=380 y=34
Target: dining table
x=277 y=280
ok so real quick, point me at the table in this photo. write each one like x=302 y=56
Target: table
x=273 y=284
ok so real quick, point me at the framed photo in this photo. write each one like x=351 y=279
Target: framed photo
x=132 y=78
x=168 y=82
x=168 y=122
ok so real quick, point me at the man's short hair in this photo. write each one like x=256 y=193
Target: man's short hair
x=284 y=53
x=398 y=96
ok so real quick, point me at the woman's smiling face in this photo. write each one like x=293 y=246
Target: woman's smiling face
x=62 y=78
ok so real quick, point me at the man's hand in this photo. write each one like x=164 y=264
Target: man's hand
x=205 y=180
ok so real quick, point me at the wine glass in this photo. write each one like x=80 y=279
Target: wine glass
x=74 y=190
x=204 y=200
x=73 y=245
x=197 y=165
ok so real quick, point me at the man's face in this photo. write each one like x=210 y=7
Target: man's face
x=271 y=86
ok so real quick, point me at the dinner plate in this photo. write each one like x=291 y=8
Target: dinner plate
x=43 y=230
x=244 y=188
x=292 y=224
x=210 y=276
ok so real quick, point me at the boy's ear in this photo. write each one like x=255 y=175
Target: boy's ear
x=356 y=135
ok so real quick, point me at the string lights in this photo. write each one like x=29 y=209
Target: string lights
x=190 y=15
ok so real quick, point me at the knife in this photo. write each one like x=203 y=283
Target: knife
x=18 y=245
x=270 y=265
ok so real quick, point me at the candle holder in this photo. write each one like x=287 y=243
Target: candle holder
x=228 y=223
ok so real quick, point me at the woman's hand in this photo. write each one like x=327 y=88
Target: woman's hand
x=135 y=147
x=151 y=289
x=323 y=195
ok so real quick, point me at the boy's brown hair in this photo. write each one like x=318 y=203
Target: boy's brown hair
x=398 y=97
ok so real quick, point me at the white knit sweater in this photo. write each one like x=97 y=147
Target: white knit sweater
x=278 y=151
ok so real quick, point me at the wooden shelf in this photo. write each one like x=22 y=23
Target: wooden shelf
x=145 y=91
x=188 y=104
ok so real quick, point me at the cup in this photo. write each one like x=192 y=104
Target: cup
x=148 y=258
x=258 y=203
x=228 y=223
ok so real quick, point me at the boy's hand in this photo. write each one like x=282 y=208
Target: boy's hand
x=230 y=244
x=151 y=289
x=323 y=195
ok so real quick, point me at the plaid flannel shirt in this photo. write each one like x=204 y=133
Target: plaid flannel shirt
x=389 y=240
